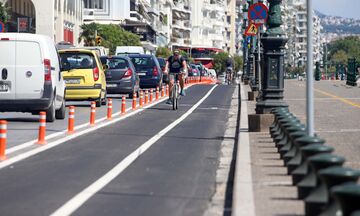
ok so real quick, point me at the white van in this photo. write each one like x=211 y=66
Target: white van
x=126 y=50
x=100 y=50
x=30 y=79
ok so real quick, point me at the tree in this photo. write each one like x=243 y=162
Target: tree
x=163 y=52
x=4 y=14
x=340 y=56
x=238 y=61
x=114 y=35
x=220 y=60
x=88 y=34
x=349 y=45
x=111 y=36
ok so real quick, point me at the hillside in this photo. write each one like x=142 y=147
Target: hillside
x=339 y=25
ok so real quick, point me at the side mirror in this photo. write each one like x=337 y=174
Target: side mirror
x=105 y=66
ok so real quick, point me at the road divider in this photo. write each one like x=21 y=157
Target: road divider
x=141 y=99
x=123 y=105
x=92 y=113
x=163 y=91
x=134 y=101
x=42 y=129
x=71 y=121
x=146 y=97
x=70 y=131
x=151 y=95
x=3 y=132
x=109 y=109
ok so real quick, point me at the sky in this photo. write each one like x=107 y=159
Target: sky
x=343 y=8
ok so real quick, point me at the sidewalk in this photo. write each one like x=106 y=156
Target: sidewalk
x=262 y=186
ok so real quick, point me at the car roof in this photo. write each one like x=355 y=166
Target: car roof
x=116 y=57
x=140 y=55
x=78 y=50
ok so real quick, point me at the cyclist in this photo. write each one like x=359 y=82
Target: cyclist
x=176 y=64
x=229 y=70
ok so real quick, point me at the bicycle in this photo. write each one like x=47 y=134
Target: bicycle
x=175 y=90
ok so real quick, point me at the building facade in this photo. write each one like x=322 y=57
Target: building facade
x=58 y=19
x=106 y=11
x=208 y=23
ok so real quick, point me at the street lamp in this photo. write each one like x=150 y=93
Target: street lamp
x=272 y=81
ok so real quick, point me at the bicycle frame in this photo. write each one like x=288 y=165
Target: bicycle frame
x=175 y=90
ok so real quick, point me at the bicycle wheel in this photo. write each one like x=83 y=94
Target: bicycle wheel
x=174 y=98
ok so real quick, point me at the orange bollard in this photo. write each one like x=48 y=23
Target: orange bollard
x=134 y=101
x=109 y=109
x=151 y=95
x=71 y=121
x=42 y=129
x=123 y=105
x=157 y=93
x=167 y=90
x=146 y=96
x=92 y=113
x=141 y=98
x=3 y=132
x=163 y=91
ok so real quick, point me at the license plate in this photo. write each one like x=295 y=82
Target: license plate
x=141 y=74
x=4 y=87
x=111 y=85
x=72 y=81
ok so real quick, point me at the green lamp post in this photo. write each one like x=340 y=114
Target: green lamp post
x=272 y=75
x=245 y=45
x=317 y=71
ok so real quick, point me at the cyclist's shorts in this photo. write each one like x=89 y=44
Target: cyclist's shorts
x=171 y=76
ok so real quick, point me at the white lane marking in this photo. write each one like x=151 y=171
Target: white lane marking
x=78 y=127
x=243 y=189
x=79 y=199
x=50 y=145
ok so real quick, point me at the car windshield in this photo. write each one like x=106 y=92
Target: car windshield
x=142 y=62
x=71 y=61
x=115 y=63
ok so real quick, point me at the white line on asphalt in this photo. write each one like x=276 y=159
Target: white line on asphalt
x=51 y=136
x=243 y=203
x=78 y=200
x=50 y=145
x=54 y=135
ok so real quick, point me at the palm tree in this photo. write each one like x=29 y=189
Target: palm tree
x=88 y=34
x=4 y=14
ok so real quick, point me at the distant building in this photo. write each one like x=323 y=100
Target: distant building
x=58 y=19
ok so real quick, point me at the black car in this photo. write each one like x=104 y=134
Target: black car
x=162 y=63
x=121 y=77
x=148 y=69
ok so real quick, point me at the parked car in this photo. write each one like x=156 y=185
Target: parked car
x=194 y=71
x=162 y=63
x=31 y=80
x=221 y=79
x=148 y=69
x=212 y=73
x=127 y=50
x=84 y=76
x=121 y=77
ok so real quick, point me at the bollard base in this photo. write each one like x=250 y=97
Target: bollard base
x=253 y=95
x=260 y=122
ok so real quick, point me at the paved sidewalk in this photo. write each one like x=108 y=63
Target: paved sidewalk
x=272 y=189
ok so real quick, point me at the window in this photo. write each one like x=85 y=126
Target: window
x=94 y=4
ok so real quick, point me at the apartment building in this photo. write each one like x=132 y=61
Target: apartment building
x=181 y=24
x=230 y=26
x=59 y=19
x=295 y=26
x=208 y=23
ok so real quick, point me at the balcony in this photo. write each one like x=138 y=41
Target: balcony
x=181 y=24
x=181 y=7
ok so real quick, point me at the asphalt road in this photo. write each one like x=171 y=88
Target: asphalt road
x=336 y=114
x=175 y=176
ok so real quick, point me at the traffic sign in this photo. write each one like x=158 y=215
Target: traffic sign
x=251 y=30
x=2 y=27
x=258 y=13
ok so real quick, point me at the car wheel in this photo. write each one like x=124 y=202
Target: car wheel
x=50 y=113
x=60 y=113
